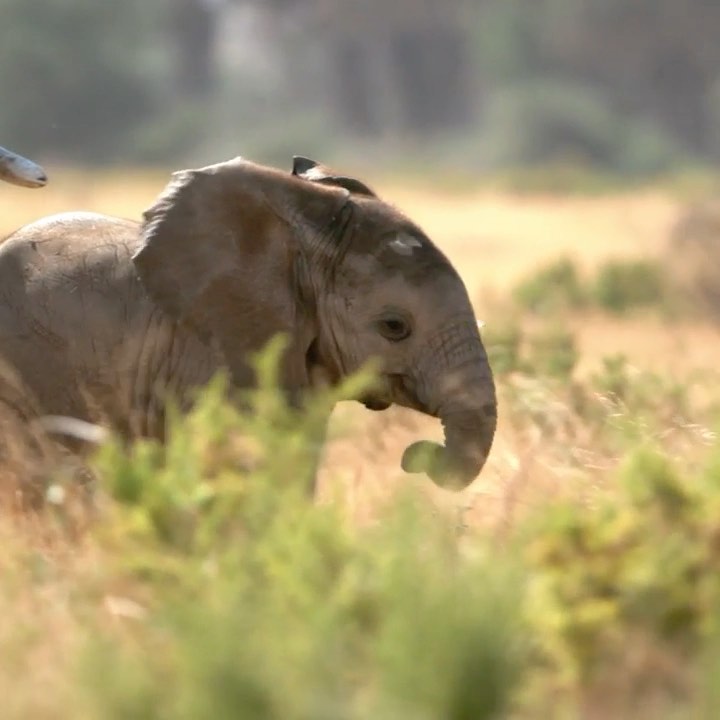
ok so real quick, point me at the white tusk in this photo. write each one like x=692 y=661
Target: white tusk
x=18 y=170
x=73 y=427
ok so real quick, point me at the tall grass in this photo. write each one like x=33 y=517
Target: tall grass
x=210 y=585
x=259 y=604
x=576 y=578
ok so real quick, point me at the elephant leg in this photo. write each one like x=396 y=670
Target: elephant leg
x=313 y=458
x=26 y=460
x=313 y=455
x=32 y=459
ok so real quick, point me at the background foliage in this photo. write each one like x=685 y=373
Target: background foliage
x=632 y=89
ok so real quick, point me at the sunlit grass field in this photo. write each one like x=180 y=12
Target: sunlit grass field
x=551 y=445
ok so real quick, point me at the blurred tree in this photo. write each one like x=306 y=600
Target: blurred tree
x=78 y=74
x=431 y=66
x=659 y=58
x=402 y=65
x=625 y=84
x=194 y=25
x=651 y=66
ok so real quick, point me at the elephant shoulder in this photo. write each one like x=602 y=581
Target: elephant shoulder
x=67 y=243
x=67 y=233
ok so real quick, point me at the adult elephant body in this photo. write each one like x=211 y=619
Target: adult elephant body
x=82 y=332
x=103 y=316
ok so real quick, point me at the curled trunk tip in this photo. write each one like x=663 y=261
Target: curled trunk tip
x=468 y=439
x=439 y=465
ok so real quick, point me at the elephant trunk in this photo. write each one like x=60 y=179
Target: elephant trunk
x=465 y=401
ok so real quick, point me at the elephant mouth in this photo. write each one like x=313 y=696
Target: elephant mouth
x=320 y=375
x=403 y=390
x=375 y=403
x=394 y=389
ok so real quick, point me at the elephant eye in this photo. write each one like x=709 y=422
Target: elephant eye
x=394 y=328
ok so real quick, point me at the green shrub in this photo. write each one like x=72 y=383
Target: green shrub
x=249 y=601
x=296 y=616
x=263 y=605
x=640 y=564
x=552 y=352
x=622 y=285
x=651 y=396
x=620 y=406
x=547 y=122
x=553 y=287
x=503 y=345
x=618 y=286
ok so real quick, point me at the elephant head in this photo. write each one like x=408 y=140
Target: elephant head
x=241 y=252
x=18 y=170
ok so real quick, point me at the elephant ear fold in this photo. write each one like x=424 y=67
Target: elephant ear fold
x=314 y=171
x=186 y=245
x=219 y=246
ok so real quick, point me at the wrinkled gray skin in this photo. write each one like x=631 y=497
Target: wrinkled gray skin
x=18 y=170
x=102 y=316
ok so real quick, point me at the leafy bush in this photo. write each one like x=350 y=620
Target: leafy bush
x=544 y=121
x=622 y=285
x=618 y=286
x=553 y=287
x=235 y=596
x=263 y=605
x=503 y=344
x=553 y=353
x=640 y=565
x=644 y=394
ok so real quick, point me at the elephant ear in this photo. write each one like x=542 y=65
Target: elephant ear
x=316 y=172
x=219 y=249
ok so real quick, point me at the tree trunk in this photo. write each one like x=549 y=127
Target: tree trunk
x=431 y=66
x=353 y=88
x=194 y=27
x=681 y=90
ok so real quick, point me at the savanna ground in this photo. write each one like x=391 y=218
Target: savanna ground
x=593 y=524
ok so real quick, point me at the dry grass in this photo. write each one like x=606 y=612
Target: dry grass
x=493 y=239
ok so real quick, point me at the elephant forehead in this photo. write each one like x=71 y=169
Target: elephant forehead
x=415 y=259
x=401 y=280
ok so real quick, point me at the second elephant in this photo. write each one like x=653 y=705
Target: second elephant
x=103 y=316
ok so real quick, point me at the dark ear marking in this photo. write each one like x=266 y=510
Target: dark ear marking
x=351 y=184
x=302 y=165
x=316 y=172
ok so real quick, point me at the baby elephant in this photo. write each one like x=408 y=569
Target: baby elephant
x=102 y=316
